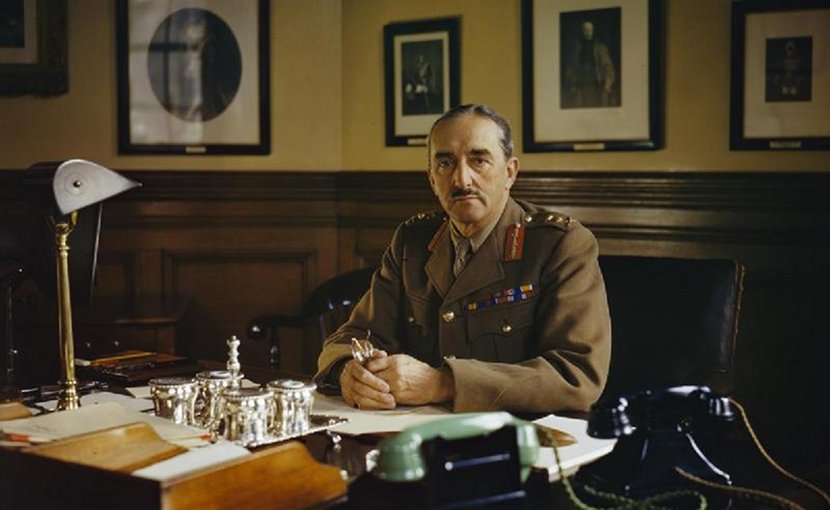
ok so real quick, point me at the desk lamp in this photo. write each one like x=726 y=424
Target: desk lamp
x=63 y=191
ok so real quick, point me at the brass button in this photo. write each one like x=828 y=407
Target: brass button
x=448 y=316
x=410 y=319
x=551 y=217
x=528 y=218
x=506 y=328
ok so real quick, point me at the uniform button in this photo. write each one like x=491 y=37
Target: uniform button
x=506 y=328
x=448 y=316
x=410 y=319
x=528 y=218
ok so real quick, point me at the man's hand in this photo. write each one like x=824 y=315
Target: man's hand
x=361 y=389
x=411 y=381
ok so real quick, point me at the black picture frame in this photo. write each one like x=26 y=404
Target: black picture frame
x=33 y=48
x=422 y=77
x=606 y=103
x=780 y=90
x=193 y=80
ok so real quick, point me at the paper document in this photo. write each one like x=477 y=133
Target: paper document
x=373 y=422
x=585 y=450
x=193 y=460
x=136 y=404
x=50 y=427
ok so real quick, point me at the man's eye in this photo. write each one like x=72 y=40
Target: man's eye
x=444 y=163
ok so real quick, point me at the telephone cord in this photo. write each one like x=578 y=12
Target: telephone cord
x=823 y=495
x=745 y=492
x=626 y=503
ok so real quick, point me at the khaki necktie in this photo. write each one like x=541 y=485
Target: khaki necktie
x=462 y=255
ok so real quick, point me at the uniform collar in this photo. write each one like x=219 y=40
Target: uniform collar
x=477 y=239
x=483 y=269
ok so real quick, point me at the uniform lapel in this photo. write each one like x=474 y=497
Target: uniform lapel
x=485 y=268
x=439 y=264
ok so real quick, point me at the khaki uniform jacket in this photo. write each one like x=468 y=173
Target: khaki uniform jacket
x=524 y=327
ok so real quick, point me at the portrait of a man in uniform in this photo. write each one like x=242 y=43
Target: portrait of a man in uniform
x=590 y=59
x=789 y=69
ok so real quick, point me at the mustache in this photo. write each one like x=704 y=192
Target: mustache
x=464 y=192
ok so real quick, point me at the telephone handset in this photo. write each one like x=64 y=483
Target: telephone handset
x=656 y=431
x=473 y=459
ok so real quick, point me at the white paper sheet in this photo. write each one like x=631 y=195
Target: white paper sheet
x=585 y=450
x=373 y=422
x=50 y=427
x=193 y=460
x=136 y=404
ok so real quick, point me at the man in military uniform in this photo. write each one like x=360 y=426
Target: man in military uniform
x=493 y=304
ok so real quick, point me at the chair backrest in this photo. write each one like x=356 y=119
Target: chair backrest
x=673 y=321
x=327 y=307
x=332 y=302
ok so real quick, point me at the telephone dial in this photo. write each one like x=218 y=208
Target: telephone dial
x=657 y=432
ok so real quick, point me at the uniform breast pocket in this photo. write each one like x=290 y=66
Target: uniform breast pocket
x=419 y=338
x=501 y=332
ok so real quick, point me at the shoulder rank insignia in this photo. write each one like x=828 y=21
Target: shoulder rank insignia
x=514 y=242
x=423 y=217
x=548 y=218
x=511 y=295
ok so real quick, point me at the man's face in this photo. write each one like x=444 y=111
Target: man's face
x=588 y=30
x=468 y=171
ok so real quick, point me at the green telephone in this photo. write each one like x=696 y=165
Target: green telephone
x=465 y=460
x=400 y=458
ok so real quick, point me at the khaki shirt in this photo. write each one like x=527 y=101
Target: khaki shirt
x=525 y=327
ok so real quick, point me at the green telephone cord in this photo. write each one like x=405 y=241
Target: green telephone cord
x=649 y=503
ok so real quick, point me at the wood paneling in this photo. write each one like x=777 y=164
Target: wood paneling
x=237 y=244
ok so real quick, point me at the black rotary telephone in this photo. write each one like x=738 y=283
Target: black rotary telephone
x=656 y=433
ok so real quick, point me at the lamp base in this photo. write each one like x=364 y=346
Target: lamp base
x=68 y=396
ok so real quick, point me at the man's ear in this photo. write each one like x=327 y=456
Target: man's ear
x=512 y=172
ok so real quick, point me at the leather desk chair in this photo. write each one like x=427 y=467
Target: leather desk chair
x=327 y=307
x=673 y=321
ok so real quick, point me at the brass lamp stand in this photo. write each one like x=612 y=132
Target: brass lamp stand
x=62 y=189
x=68 y=394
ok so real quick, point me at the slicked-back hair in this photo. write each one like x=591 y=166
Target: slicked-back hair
x=482 y=110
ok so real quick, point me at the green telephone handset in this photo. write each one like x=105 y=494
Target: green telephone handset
x=400 y=458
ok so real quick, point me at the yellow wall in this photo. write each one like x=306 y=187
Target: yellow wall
x=327 y=92
x=697 y=88
x=305 y=98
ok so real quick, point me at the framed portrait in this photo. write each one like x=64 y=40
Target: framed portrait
x=422 y=62
x=193 y=77
x=33 y=47
x=591 y=75
x=780 y=95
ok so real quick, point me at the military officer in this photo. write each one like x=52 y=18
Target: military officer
x=491 y=304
